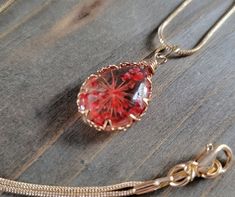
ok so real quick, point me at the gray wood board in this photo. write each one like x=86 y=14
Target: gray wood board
x=47 y=48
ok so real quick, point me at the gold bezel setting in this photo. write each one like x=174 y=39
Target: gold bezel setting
x=108 y=126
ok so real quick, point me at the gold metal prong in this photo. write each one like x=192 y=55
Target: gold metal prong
x=107 y=123
x=134 y=117
x=146 y=101
x=149 y=79
x=86 y=112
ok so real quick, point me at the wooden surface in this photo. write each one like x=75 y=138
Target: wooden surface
x=47 y=48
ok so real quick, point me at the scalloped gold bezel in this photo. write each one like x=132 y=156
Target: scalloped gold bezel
x=108 y=122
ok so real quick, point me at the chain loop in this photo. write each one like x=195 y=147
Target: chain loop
x=214 y=171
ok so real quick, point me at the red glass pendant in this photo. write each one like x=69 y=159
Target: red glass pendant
x=116 y=96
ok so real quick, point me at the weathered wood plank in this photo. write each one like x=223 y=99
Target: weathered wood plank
x=45 y=59
x=15 y=90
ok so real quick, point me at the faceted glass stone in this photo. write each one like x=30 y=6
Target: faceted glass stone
x=116 y=96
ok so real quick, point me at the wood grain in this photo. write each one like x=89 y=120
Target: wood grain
x=47 y=48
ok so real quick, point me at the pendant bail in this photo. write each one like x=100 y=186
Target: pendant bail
x=162 y=54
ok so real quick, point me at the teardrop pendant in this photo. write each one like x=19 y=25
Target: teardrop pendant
x=116 y=96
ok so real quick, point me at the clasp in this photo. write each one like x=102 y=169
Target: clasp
x=205 y=165
x=209 y=165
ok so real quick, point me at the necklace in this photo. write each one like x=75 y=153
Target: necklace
x=122 y=93
x=205 y=165
x=116 y=96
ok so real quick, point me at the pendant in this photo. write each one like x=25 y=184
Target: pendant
x=116 y=96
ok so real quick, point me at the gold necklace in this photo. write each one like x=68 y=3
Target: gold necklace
x=118 y=95
x=205 y=165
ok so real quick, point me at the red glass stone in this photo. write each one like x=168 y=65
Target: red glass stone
x=116 y=96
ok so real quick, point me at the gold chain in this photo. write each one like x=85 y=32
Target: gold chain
x=205 y=165
x=166 y=49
